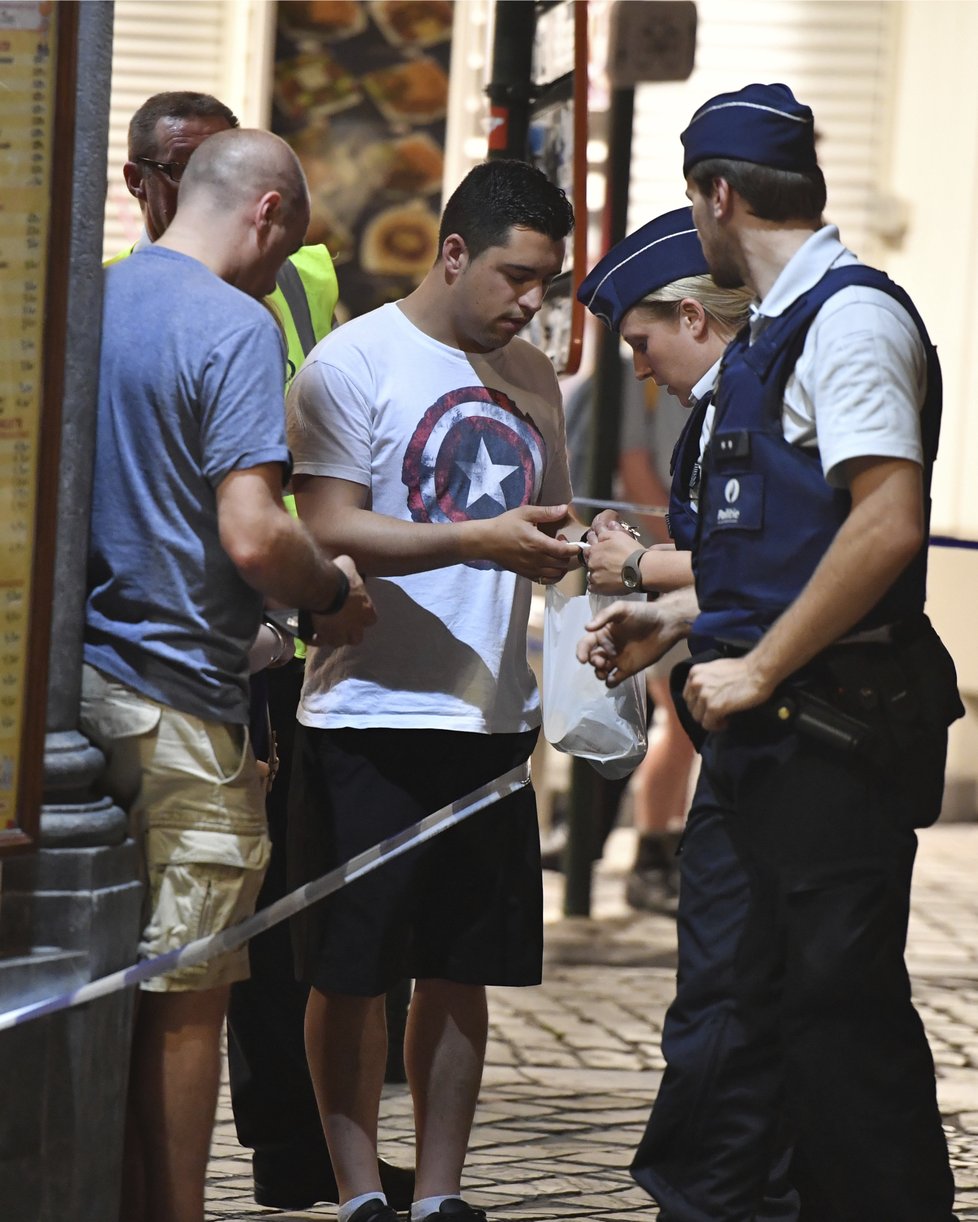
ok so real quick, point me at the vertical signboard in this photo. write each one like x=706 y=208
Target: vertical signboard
x=31 y=358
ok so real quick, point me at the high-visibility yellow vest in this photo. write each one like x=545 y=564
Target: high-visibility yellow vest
x=123 y=254
x=304 y=301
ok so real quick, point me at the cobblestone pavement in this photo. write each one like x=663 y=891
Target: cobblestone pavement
x=572 y=1066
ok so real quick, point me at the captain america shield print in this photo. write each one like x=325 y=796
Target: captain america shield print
x=474 y=455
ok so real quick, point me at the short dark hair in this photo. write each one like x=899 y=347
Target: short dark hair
x=495 y=196
x=771 y=194
x=177 y=104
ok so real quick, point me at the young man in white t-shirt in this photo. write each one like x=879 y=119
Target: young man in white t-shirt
x=429 y=444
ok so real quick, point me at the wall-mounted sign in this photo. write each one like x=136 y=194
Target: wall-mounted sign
x=651 y=40
x=28 y=421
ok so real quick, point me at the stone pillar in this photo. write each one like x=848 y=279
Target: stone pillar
x=71 y=909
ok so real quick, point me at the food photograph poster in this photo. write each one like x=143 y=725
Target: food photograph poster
x=361 y=94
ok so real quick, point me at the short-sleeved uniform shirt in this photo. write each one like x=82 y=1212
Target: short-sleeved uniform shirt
x=858 y=386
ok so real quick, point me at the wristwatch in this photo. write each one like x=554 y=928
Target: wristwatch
x=631 y=576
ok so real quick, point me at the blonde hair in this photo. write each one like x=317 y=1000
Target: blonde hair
x=727 y=309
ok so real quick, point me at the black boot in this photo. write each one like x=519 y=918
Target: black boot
x=653 y=882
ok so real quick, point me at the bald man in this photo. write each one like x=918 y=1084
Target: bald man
x=189 y=535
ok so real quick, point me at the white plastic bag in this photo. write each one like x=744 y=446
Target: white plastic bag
x=581 y=716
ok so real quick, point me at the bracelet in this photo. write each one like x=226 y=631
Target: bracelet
x=277 y=656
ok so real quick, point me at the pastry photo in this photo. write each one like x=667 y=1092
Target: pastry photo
x=331 y=20
x=413 y=23
x=412 y=92
x=400 y=241
x=312 y=84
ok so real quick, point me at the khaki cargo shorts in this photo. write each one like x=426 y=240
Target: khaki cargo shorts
x=196 y=806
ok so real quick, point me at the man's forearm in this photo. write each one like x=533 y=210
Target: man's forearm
x=682 y=608
x=292 y=570
x=873 y=546
x=389 y=547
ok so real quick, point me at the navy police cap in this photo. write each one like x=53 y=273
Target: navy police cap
x=764 y=124
x=662 y=251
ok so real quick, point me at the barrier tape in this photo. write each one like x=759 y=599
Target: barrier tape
x=296 y=901
x=650 y=511
x=951 y=541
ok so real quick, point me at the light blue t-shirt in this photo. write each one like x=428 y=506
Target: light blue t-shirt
x=190 y=389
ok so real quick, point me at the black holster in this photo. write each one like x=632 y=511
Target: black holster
x=888 y=703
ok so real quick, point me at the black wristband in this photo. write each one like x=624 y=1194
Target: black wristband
x=342 y=594
x=306 y=631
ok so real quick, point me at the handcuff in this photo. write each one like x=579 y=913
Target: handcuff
x=629 y=530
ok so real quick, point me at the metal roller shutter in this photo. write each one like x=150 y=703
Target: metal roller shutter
x=215 y=46
x=836 y=57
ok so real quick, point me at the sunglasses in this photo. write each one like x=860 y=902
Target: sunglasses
x=171 y=169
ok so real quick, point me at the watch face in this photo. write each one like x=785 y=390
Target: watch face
x=631 y=574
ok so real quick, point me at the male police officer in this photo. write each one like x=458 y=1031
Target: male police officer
x=826 y=721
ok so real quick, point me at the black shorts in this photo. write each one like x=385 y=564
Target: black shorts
x=466 y=907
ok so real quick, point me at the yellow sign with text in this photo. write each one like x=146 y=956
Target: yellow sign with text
x=27 y=69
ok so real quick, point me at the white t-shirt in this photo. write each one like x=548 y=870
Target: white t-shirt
x=859 y=384
x=437 y=435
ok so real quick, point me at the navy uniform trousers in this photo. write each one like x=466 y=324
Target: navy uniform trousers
x=793 y=1020
x=690 y=1159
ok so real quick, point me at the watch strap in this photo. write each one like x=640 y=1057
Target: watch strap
x=632 y=564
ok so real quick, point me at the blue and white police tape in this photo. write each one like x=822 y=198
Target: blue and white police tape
x=230 y=939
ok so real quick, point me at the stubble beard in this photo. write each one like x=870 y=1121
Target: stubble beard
x=726 y=276
x=723 y=267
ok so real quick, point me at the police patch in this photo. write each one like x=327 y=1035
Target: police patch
x=473 y=456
